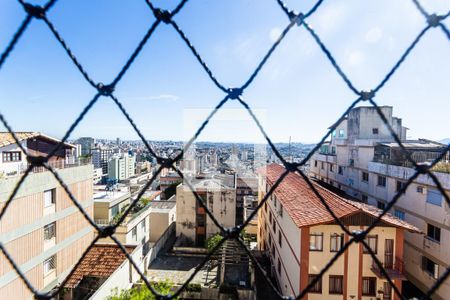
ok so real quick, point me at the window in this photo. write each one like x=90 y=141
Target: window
x=336 y=242
x=381 y=205
x=433 y=233
x=336 y=284
x=281 y=210
x=274 y=226
x=274 y=201
x=399 y=214
x=273 y=250
x=434 y=197
x=143 y=227
x=430 y=267
x=315 y=163
x=321 y=165
x=375 y=130
x=341 y=133
x=365 y=176
x=340 y=170
x=279 y=266
x=364 y=198
x=49 y=231
x=49 y=197
x=270 y=217
x=400 y=185
x=114 y=210
x=270 y=240
x=369 y=286
x=419 y=189
x=316 y=242
x=49 y=264
x=11 y=156
x=331 y=168
x=372 y=241
x=317 y=287
x=280 y=238
x=381 y=181
x=134 y=233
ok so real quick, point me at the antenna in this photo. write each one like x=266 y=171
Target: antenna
x=290 y=151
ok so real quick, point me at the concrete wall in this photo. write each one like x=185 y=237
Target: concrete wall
x=413 y=203
x=21 y=228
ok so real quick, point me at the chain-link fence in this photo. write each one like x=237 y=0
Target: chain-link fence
x=166 y=18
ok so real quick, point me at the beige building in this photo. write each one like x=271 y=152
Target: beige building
x=163 y=214
x=300 y=236
x=364 y=161
x=192 y=220
x=42 y=229
x=121 y=167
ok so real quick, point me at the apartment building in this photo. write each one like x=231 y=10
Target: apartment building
x=192 y=221
x=87 y=143
x=246 y=185
x=42 y=229
x=121 y=167
x=364 y=161
x=101 y=157
x=300 y=236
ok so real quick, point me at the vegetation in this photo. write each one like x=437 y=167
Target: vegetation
x=193 y=287
x=442 y=167
x=213 y=240
x=141 y=292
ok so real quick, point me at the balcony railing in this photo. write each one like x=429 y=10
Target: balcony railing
x=393 y=268
x=68 y=162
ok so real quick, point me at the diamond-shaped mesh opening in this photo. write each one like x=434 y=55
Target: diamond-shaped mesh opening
x=36 y=13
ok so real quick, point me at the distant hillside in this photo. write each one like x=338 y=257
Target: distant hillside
x=445 y=141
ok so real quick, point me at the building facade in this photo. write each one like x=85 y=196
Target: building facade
x=87 y=144
x=300 y=237
x=121 y=167
x=101 y=157
x=192 y=220
x=373 y=168
x=42 y=229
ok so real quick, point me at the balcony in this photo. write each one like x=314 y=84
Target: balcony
x=68 y=162
x=393 y=269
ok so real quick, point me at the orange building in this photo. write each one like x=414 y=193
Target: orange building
x=300 y=236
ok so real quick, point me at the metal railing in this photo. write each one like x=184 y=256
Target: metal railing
x=166 y=18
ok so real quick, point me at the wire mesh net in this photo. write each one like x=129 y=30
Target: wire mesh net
x=166 y=18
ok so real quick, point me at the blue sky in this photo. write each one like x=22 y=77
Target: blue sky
x=297 y=93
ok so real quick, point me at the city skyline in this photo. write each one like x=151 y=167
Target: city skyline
x=297 y=72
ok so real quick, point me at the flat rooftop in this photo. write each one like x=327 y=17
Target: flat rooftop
x=109 y=196
x=162 y=206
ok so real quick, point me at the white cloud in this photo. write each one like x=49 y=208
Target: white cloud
x=275 y=33
x=355 y=58
x=374 y=35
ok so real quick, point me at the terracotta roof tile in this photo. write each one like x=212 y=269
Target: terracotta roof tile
x=100 y=261
x=6 y=138
x=305 y=208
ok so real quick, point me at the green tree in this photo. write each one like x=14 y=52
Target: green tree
x=141 y=292
x=213 y=240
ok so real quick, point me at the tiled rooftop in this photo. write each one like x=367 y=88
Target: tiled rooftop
x=6 y=138
x=305 y=208
x=100 y=261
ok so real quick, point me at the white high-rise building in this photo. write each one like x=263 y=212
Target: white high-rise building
x=363 y=160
